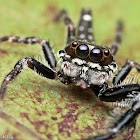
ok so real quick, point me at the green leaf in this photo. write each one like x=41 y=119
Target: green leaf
x=38 y=108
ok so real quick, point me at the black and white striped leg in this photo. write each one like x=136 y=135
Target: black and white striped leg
x=118 y=38
x=124 y=71
x=85 y=31
x=32 y=64
x=70 y=25
x=49 y=55
x=124 y=122
x=117 y=93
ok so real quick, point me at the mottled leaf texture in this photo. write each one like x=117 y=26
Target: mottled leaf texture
x=38 y=108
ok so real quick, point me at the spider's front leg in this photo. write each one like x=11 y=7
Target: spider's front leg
x=118 y=93
x=32 y=64
x=49 y=55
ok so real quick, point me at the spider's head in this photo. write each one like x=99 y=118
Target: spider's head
x=89 y=53
x=87 y=63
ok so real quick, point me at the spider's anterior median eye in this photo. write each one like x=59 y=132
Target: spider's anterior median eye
x=82 y=51
x=106 y=52
x=96 y=54
x=74 y=44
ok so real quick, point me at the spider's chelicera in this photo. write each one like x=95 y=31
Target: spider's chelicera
x=87 y=65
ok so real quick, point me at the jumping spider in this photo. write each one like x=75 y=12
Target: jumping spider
x=84 y=64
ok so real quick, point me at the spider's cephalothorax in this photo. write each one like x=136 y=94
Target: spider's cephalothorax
x=86 y=65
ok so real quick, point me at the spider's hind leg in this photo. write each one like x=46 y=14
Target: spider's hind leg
x=124 y=71
x=124 y=122
x=48 y=53
x=131 y=130
x=118 y=38
x=70 y=25
x=32 y=64
x=85 y=31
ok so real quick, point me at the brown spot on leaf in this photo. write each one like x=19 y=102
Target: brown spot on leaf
x=49 y=136
x=54 y=118
x=99 y=123
x=35 y=95
x=3 y=52
x=39 y=99
x=101 y=106
x=67 y=124
x=59 y=110
x=25 y=115
x=84 y=95
x=37 y=124
x=44 y=112
x=89 y=129
x=39 y=112
x=73 y=106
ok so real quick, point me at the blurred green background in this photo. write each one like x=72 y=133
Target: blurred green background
x=48 y=108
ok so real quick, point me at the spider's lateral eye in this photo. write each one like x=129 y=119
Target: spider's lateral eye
x=96 y=54
x=106 y=52
x=82 y=51
x=74 y=44
x=61 y=51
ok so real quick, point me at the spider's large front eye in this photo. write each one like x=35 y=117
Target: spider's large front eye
x=96 y=54
x=82 y=51
x=74 y=44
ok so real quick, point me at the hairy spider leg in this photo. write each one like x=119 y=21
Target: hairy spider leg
x=128 y=119
x=123 y=122
x=70 y=25
x=20 y=65
x=118 y=38
x=48 y=53
x=124 y=71
x=85 y=31
x=119 y=93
